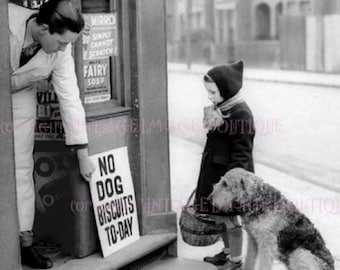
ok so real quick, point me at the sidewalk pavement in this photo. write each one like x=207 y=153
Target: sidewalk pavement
x=321 y=205
x=283 y=76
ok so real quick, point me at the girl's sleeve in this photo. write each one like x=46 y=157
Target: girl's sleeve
x=242 y=138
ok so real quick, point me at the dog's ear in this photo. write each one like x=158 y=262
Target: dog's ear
x=245 y=184
x=257 y=181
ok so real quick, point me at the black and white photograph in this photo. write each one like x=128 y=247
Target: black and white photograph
x=170 y=134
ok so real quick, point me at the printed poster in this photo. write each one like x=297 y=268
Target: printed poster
x=48 y=126
x=99 y=36
x=114 y=201
x=99 y=44
x=97 y=80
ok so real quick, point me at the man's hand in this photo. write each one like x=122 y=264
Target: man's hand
x=86 y=165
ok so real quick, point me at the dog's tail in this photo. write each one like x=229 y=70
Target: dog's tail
x=302 y=234
x=325 y=255
x=320 y=250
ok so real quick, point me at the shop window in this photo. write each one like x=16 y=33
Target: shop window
x=305 y=7
x=182 y=32
x=103 y=88
x=221 y=27
x=278 y=14
x=97 y=6
x=262 y=17
x=292 y=8
x=99 y=58
x=199 y=16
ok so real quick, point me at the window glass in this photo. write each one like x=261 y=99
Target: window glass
x=99 y=64
x=100 y=51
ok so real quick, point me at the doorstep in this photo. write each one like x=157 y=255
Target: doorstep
x=179 y=264
x=146 y=245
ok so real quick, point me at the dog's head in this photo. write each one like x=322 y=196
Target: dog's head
x=235 y=189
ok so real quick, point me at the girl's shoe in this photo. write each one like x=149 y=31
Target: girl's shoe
x=219 y=259
x=230 y=265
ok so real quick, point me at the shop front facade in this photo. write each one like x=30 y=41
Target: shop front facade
x=121 y=67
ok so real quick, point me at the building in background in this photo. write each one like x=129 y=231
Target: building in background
x=287 y=34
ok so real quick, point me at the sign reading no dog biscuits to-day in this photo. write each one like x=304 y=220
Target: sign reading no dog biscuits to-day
x=114 y=200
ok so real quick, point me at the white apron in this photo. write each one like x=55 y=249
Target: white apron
x=41 y=66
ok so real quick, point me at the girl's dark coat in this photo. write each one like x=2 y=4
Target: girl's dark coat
x=227 y=147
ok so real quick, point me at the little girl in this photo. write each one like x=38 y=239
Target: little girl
x=229 y=144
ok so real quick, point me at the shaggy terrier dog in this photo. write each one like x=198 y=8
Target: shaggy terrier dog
x=276 y=228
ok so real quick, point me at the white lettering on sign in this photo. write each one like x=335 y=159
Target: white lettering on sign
x=102 y=43
x=99 y=38
x=105 y=35
x=95 y=70
x=114 y=200
x=100 y=53
x=47 y=97
x=95 y=81
x=102 y=20
x=94 y=99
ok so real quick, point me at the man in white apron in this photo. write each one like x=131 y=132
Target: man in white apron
x=41 y=47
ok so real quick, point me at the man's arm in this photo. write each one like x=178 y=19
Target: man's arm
x=72 y=111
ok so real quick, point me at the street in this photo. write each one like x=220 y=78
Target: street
x=296 y=142
x=297 y=125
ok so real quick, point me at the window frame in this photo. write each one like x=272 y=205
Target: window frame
x=119 y=103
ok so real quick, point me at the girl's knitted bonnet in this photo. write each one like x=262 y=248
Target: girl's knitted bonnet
x=228 y=78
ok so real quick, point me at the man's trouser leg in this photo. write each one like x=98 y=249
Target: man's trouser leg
x=24 y=117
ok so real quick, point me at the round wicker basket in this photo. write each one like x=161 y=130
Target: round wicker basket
x=197 y=230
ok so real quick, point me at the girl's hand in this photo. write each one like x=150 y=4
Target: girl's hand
x=86 y=165
x=213 y=117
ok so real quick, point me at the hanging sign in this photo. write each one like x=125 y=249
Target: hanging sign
x=113 y=199
x=99 y=36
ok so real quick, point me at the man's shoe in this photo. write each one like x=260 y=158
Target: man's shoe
x=219 y=259
x=230 y=265
x=32 y=258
